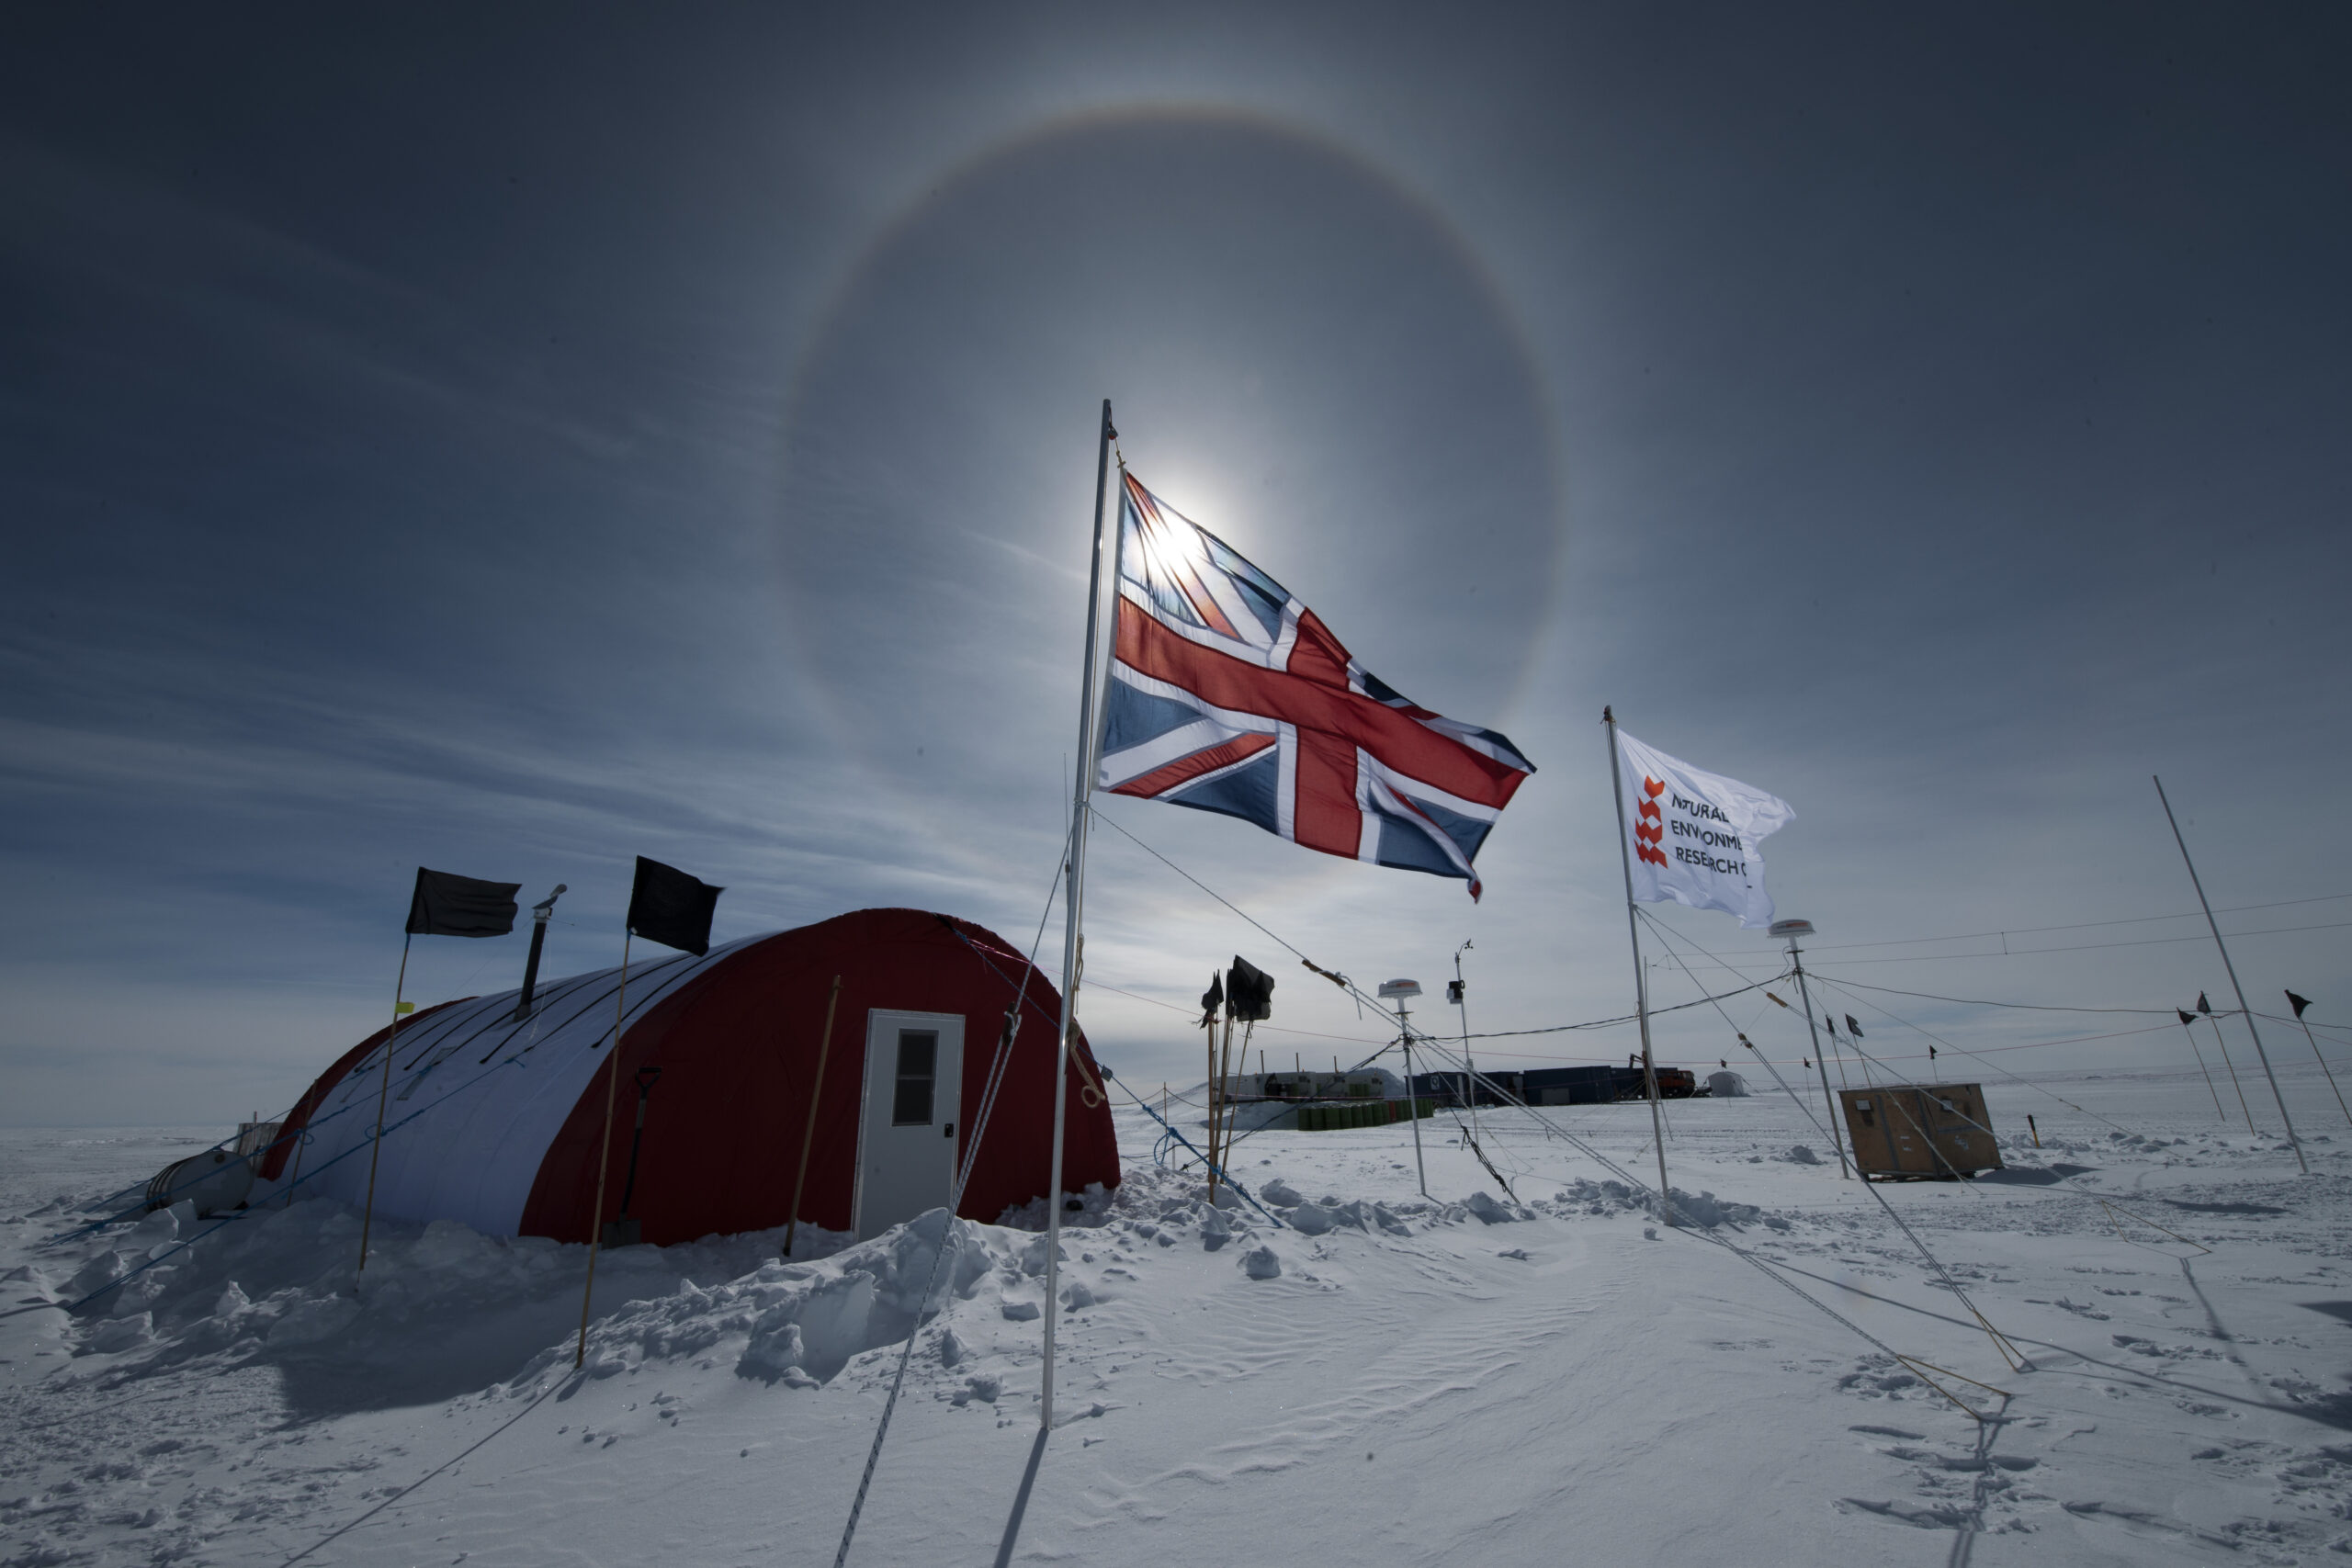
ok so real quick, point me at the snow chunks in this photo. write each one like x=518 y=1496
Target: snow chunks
x=802 y=1323
x=1321 y=1219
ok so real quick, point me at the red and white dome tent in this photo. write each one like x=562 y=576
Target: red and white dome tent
x=495 y=1121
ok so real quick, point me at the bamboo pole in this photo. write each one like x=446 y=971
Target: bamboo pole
x=604 y=1151
x=2299 y=1004
x=800 y=1180
x=2185 y=1021
x=2233 y=1070
x=2231 y=971
x=383 y=1094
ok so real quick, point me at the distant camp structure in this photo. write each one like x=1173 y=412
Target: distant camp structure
x=492 y=1120
x=1921 y=1130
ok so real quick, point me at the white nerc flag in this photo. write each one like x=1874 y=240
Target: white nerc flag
x=1695 y=834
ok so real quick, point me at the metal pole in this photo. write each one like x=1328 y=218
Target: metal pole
x=1827 y=1100
x=604 y=1150
x=540 y=914
x=2231 y=969
x=1641 y=985
x=1469 y=1066
x=375 y=1146
x=808 y=1135
x=1404 y=1033
x=2321 y=1060
x=1208 y=1092
x=1073 y=904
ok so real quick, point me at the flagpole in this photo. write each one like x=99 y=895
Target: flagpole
x=1641 y=985
x=605 y=1149
x=2185 y=1022
x=375 y=1146
x=2231 y=969
x=1073 y=903
x=2300 y=1004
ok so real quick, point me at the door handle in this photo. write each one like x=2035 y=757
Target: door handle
x=949 y=1131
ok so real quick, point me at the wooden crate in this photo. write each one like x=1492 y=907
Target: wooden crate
x=1919 y=1130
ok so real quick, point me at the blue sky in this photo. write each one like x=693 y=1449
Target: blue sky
x=516 y=443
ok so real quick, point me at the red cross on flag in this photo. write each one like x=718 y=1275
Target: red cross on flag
x=1227 y=694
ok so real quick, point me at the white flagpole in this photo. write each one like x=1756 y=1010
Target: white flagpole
x=1073 y=901
x=1640 y=986
x=2264 y=1056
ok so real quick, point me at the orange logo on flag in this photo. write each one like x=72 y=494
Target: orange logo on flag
x=1652 y=830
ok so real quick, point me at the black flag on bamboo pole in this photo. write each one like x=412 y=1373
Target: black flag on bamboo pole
x=667 y=906
x=446 y=904
x=443 y=904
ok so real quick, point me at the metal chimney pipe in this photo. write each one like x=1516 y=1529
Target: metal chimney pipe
x=539 y=913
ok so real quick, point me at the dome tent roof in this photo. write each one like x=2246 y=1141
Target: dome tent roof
x=495 y=1123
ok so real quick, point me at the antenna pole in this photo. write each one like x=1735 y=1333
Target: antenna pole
x=1641 y=985
x=1827 y=1100
x=1462 y=1007
x=2231 y=969
x=1404 y=1033
x=1073 y=906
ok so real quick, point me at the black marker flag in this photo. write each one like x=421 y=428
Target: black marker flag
x=1856 y=1030
x=2203 y=1006
x=667 y=906
x=447 y=905
x=1248 y=992
x=2298 y=1003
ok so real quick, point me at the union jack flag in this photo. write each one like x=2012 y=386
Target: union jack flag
x=1227 y=694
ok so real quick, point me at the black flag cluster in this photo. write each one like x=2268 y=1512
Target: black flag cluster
x=667 y=906
x=1248 y=992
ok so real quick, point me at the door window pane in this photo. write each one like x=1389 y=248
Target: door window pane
x=917 y=1065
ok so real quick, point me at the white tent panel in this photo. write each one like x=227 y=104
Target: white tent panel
x=477 y=1098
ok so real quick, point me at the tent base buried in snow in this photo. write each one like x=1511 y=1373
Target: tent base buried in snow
x=497 y=1122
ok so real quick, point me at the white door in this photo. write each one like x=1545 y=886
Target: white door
x=907 y=1134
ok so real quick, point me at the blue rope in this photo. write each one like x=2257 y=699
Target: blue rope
x=1223 y=1175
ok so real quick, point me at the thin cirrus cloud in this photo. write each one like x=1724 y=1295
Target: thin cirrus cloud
x=686 y=448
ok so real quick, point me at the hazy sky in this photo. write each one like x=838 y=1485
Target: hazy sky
x=516 y=440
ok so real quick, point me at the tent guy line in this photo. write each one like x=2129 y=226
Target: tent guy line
x=1664 y=1194
x=2078 y=925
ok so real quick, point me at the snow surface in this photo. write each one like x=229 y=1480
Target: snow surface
x=1489 y=1378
